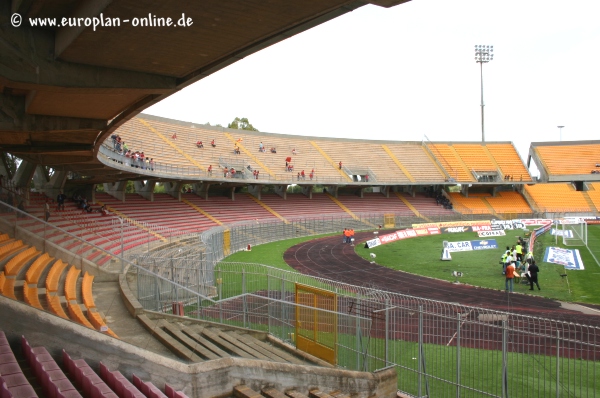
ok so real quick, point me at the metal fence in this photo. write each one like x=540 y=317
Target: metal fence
x=439 y=349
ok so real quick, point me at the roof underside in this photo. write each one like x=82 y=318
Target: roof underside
x=64 y=89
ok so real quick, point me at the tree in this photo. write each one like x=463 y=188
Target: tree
x=241 y=124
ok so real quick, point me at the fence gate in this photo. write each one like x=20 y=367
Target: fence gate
x=316 y=322
x=389 y=220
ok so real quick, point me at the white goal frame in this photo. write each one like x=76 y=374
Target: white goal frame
x=579 y=232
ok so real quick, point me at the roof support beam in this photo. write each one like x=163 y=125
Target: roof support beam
x=28 y=62
x=67 y=35
x=13 y=118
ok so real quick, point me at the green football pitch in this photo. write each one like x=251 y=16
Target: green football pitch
x=421 y=256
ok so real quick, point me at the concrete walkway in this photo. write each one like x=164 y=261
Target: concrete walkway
x=108 y=301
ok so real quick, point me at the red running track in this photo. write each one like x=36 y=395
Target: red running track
x=330 y=258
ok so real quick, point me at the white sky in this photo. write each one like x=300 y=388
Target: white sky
x=409 y=71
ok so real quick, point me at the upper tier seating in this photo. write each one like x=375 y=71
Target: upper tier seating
x=386 y=161
x=558 y=197
x=460 y=160
x=507 y=157
x=581 y=160
x=417 y=162
x=455 y=167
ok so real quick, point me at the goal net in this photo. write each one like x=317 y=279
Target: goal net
x=574 y=234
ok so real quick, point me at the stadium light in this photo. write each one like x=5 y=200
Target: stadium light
x=560 y=132
x=483 y=54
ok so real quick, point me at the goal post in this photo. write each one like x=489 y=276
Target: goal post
x=575 y=234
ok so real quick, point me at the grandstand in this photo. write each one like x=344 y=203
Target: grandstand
x=559 y=198
x=581 y=163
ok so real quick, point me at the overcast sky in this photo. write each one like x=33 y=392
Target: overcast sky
x=409 y=71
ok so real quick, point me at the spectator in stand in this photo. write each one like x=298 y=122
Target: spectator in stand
x=60 y=201
x=261 y=147
x=103 y=211
x=225 y=172
x=174 y=136
x=298 y=178
x=257 y=172
x=273 y=150
x=232 y=173
x=199 y=144
x=212 y=143
x=125 y=147
x=532 y=275
x=210 y=170
x=510 y=276
x=151 y=164
x=293 y=151
x=303 y=175
x=114 y=140
x=311 y=175
x=340 y=164
x=46 y=210
x=366 y=178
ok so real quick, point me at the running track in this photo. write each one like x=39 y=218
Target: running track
x=330 y=258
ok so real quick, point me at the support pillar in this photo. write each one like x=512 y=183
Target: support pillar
x=255 y=190
x=360 y=192
x=385 y=191
x=23 y=175
x=230 y=193
x=51 y=187
x=201 y=189
x=281 y=190
x=464 y=189
x=116 y=189
x=332 y=190
x=146 y=190
x=40 y=179
x=411 y=190
x=307 y=190
x=173 y=188
x=4 y=170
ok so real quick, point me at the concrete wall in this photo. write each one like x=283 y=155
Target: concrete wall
x=201 y=380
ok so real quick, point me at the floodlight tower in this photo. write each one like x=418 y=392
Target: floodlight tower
x=560 y=132
x=483 y=54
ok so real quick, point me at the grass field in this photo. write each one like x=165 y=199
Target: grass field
x=421 y=256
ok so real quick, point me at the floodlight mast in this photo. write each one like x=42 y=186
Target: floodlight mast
x=560 y=132
x=483 y=54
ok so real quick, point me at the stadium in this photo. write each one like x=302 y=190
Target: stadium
x=125 y=253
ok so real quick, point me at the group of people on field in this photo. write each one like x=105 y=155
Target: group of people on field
x=517 y=261
x=348 y=235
